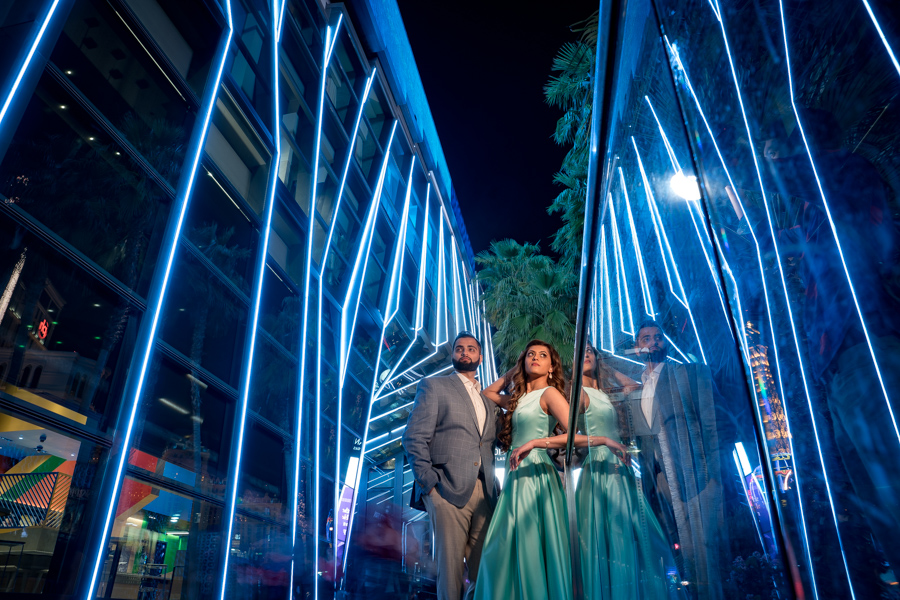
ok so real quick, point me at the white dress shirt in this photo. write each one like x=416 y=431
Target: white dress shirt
x=474 y=390
x=648 y=392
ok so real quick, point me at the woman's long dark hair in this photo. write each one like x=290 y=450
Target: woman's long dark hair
x=601 y=373
x=516 y=389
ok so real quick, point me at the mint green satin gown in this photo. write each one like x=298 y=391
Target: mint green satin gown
x=624 y=553
x=526 y=552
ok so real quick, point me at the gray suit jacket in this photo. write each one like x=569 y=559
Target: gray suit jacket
x=442 y=442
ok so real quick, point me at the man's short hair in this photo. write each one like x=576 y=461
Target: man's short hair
x=649 y=323
x=466 y=334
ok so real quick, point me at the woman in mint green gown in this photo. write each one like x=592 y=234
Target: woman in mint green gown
x=526 y=552
x=624 y=553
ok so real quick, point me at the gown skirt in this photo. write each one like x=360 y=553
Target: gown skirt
x=526 y=553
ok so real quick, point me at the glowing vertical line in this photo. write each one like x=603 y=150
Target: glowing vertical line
x=656 y=219
x=254 y=319
x=420 y=300
x=329 y=44
x=770 y=223
x=187 y=181
x=674 y=53
x=743 y=479
x=423 y=265
x=677 y=168
x=442 y=287
x=399 y=254
x=672 y=158
x=683 y=355
x=321 y=284
x=645 y=285
x=393 y=298
x=884 y=41
x=606 y=314
x=364 y=250
x=362 y=260
x=654 y=210
x=837 y=239
x=457 y=298
x=22 y=70
x=621 y=280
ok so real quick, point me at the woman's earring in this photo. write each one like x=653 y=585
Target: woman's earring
x=550 y=376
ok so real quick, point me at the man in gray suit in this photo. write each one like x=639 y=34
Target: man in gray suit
x=449 y=441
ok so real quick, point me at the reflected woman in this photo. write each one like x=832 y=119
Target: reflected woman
x=624 y=551
x=526 y=552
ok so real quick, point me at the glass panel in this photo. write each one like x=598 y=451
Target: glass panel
x=202 y=318
x=110 y=66
x=293 y=170
x=260 y=564
x=185 y=432
x=665 y=383
x=273 y=394
x=64 y=171
x=795 y=132
x=49 y=482
x=263 y=482
x=162 y=545
x=65 y=340
x=222 y=231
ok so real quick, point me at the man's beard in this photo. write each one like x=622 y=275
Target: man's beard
x=656 y=356
x=465 y=367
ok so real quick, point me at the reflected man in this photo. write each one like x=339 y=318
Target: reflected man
x=673 y=422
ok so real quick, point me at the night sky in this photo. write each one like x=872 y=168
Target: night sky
x=484 y=66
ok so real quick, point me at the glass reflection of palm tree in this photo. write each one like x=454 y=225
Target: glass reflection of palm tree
x=209 y=298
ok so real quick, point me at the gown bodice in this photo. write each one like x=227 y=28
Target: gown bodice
x=599 y=418
x=529 y=421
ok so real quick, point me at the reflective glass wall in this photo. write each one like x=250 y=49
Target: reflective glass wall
x=741 y=315
x=227 y=257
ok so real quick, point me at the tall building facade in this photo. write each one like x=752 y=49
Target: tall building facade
x=230 y=250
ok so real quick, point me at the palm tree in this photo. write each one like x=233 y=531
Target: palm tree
x=527 y=295
x=572 y=91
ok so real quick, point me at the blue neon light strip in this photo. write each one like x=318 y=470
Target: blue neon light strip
x=743 y=479
x=645 y=285
x=837 y=239
x=365 y=246
x=420 y=297
x=672 y=158
x=606 y=307
x=677 y=169
x=674 y=53
x=621 y=280
x=25 y=64
x=683 y=355
x=661 y=233
x=423 y=265
x=656 y=219
x=774 y=237
x=235 y=477
x=441 y=287
x=361 y=264
x=330 y=41
x=393 y=298
x=884 y=41
x=156 y=310
x=393 y=301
